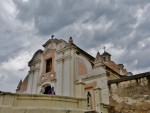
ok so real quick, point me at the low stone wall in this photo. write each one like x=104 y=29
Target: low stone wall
x=27 y=103
x=130 y=95
x=131 y=88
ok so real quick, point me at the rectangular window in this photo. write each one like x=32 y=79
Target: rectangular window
x=48 y=65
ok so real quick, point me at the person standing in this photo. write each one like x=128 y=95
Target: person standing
x=53 y=92
x=50 y=90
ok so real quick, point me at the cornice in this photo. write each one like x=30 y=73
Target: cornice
x=34 y=70
x=92 y=77
x=35 y=62
x=68 y=47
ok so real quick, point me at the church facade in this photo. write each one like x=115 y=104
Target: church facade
x=72 y=72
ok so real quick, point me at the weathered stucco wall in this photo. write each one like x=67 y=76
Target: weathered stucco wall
x=132 y=96
x=27 y=103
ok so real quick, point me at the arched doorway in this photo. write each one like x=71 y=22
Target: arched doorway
x=47 y=88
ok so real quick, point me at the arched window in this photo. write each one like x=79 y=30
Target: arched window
x=48 y=65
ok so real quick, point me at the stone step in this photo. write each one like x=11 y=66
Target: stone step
x=38 y=110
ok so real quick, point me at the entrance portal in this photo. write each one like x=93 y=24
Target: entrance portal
x=47 y=89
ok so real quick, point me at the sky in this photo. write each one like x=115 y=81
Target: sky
x=122 y=26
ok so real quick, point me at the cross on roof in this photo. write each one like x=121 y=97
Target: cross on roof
x=104 y=48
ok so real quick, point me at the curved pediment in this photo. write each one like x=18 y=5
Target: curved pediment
x=36 y=56
x=54 y=44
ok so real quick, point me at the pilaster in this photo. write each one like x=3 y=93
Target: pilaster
x=80 y=91
x=98 y=99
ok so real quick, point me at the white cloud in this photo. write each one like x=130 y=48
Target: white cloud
x=120 y=25
x=13 y=70
x=19 y=61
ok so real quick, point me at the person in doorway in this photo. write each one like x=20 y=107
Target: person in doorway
x=50 y=90
x=53 y=92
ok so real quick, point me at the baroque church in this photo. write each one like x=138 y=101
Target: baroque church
x=63 y=65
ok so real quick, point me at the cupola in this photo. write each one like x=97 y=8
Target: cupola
x=106 y=56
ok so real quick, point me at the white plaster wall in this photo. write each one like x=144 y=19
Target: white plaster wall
x=72 y=73
x=97 y=71
x=29 y=87
x=65 y=72
x=59 y=75
x=34 y=73
x=66 y=78
x=92 y=72
x=40 y=74
x=101 y=83
x=34 y=83
x=60 y=45
x=50 y=46
x=34 y=77
x=58 y=66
